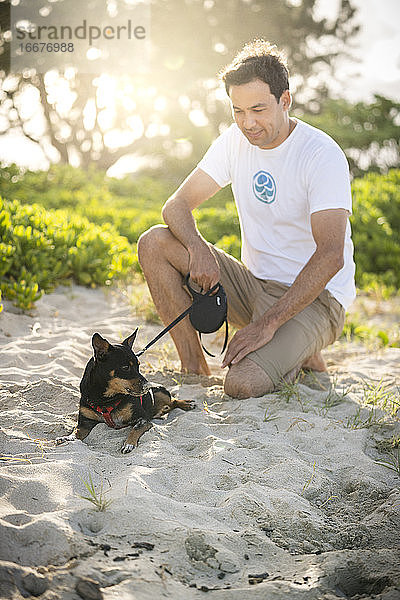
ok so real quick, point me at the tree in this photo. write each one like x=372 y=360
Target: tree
x=368 y=133
x=177 y=108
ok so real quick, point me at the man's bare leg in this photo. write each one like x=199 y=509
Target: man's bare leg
x=164 y=260
x=246 y=379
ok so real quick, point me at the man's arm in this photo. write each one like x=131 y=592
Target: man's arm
x=328 y=229
x=177 y=214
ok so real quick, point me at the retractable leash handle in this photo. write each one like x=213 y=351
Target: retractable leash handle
x=207 y=314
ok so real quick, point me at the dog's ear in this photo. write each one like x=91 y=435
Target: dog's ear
x=100 y=346
x=129 y=340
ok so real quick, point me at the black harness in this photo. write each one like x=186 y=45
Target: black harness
x=207 y=313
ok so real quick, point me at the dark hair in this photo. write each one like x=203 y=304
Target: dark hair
x=258 y=60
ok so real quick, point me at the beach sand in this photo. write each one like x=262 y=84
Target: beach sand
x=266 y=498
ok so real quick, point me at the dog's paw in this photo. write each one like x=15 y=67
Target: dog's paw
x=126 y=448
x=188 y=405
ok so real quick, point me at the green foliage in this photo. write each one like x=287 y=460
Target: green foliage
x=393 y=462
x=42 y=248
x=371 y=336
x=386 y=445
x=96 y=497
x=364 y=419
x=67 y=224
x=24 y=292
x=230 y=244
x=376 y=229
x=218 y=223
x=132 y=206
x=381 y=395
x=368 y=133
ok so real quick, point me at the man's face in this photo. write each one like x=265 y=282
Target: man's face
x=259 y=116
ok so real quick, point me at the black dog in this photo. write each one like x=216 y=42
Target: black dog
x=114 y=392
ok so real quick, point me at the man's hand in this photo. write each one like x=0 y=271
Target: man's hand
x=203 y=266
x=246 y=340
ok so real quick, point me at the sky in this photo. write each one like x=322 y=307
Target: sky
x=377 y=47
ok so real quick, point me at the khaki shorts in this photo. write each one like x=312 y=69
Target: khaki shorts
x=314 y=328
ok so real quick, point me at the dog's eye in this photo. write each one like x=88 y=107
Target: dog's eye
x=125 y=368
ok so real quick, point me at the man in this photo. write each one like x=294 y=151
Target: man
x=292 y=191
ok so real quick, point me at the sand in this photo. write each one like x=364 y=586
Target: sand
x=267 y=498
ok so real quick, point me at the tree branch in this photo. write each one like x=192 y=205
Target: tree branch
x=47 y=108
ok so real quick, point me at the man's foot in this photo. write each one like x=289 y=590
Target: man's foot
x=196 y=369
x=315 y=362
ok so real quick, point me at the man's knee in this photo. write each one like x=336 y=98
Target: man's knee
x=246 y=379
x=152 y=242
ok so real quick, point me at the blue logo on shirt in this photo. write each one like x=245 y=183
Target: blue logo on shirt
x=264 y=187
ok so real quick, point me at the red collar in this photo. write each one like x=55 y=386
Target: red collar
x=106 y=411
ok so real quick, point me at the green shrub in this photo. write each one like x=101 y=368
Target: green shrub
x=132 y=206
x=230 y=244
x=129 y=206
x=215 y=223
x=376 y=229
x=41 y=248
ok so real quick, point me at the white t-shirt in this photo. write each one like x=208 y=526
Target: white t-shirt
x=276 y=191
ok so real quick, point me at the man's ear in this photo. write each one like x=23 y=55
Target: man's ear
x=129 y=340
x=100 y=346
x=286 y=100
